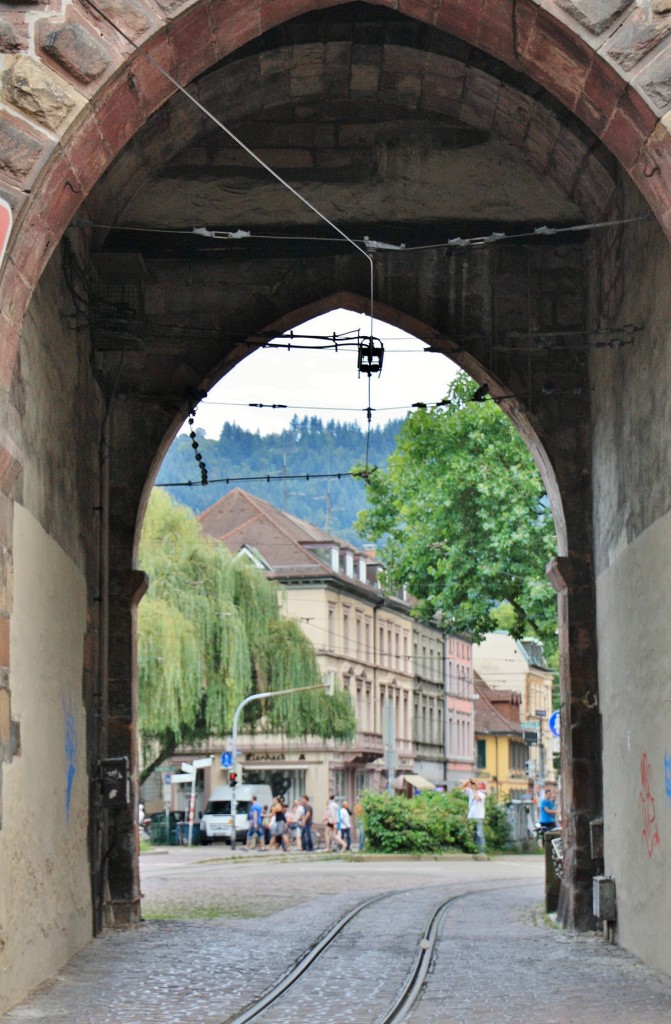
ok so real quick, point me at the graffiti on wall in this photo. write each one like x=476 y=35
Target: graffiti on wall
x=667 y=778
x=647 y=804
x=70 y=756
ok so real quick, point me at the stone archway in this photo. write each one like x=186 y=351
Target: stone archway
x=69 y=120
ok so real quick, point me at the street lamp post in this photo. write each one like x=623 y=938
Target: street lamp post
x=327 y=685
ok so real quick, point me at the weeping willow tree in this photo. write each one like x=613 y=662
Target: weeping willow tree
x=210 y=634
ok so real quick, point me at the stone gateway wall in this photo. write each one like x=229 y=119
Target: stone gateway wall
x=632 y=521
x=574 y=96
x=45 y=899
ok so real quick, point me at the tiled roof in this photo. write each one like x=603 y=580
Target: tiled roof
x=283 y=540
x=488 y=718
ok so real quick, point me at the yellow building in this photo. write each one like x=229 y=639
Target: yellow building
x=508 y=664
x=500 y=745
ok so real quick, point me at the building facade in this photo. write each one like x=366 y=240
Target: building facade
x=519 y=665
x=459 y=715
x=429 y=700
x=362 y=635
x=501 y=743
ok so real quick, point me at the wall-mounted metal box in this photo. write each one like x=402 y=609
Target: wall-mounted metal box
x=603 y=898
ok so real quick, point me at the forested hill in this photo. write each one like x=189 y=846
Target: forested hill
x=308 y=446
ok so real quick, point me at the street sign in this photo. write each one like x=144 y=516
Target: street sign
x=226 y=759
x=202 y=762
x=555 y=723
x=541 y=713
x=183 y=777
x=188 y=768
x=5 y=227
x=166 y=779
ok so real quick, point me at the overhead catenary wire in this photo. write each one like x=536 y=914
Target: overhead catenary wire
x=360 y=474
x=478 y=241
x=318 y=408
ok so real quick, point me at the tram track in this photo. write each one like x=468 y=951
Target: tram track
x=410 y=991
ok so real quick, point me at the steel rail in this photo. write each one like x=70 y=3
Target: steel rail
x=414 y=982
x=302 y=966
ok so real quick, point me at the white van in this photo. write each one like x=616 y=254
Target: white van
x=216 y=820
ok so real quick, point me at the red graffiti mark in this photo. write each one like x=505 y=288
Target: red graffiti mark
x=648 y=813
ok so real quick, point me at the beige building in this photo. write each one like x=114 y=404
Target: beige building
x=428 y=651
x=519 y=665
x=359 y=633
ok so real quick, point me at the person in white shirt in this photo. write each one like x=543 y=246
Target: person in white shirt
x=331 y=817
x=475 y=791
x=346 y=825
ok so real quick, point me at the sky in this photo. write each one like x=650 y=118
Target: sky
x=326 y=384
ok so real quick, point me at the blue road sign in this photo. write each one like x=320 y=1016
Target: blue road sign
x=555 y=723
x=226 y=759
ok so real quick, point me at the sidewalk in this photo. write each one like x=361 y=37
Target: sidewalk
x=498 y=961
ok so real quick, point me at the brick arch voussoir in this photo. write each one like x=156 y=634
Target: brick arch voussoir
x=571 y=54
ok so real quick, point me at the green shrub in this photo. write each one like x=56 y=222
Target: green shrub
x=428 y=823
x=497 y=826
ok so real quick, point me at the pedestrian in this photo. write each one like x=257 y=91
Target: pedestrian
x=358 y=814
x=306 y=825
x=548 y=811
x=294 y=822
x=254 y=825
x=346 y=825
x=265 y=825
x=331 y=819
x=475 y=791
x=278 y=829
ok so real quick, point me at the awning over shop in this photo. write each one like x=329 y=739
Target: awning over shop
x=414 y=781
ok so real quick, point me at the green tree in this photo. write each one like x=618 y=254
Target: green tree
x=463 y=521
x=210 y=634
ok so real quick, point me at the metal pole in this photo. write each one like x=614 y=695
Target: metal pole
x=234 y=737
x=192 y=807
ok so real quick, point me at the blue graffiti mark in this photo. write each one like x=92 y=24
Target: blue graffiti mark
x=70 y=756
x=667 y=778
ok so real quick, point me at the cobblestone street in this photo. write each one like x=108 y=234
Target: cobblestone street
x=497 y=959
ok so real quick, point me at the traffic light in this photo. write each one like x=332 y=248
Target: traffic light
x=232 y=779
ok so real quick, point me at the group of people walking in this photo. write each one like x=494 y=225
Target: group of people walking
x=280 y=827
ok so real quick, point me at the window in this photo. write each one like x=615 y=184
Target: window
x=517 y=756
x=481 y=754
x=345 y=631
x=331 y=626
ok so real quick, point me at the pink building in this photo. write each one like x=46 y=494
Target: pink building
x=459 y=704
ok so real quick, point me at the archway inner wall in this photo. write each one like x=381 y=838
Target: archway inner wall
x=46 y=908
x=631 y=466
